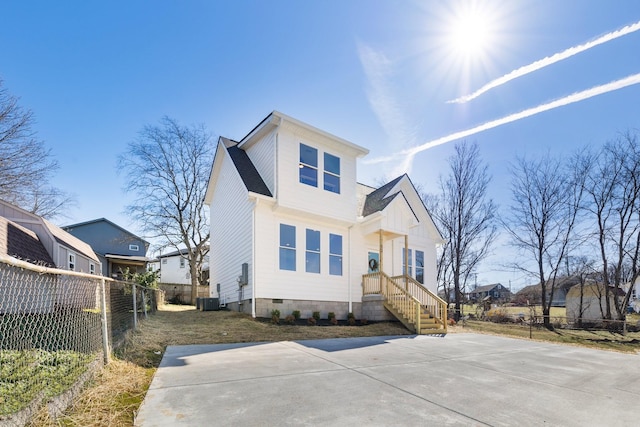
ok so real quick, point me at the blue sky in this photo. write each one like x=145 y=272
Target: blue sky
x=377 y=73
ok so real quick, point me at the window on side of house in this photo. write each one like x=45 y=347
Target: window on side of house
x=312 y=260
x=287 y=247
x=420 y=266
x=72 y=262
x=332 y=173
x=308 y=165
x=164 y=260
x=410 y=263
x=335 y=254
x=182 y=263
x=135 y=248
x=92 y=268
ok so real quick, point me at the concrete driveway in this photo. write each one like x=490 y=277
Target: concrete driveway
x=462 y=379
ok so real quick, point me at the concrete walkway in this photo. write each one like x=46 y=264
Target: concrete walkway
x=462 y=379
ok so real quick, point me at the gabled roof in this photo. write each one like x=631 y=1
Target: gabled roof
x=55 y=233
x=377 y=200
x=22 y=243
x=487 y=288
x=245 y=167
x=70 y=241
x=94 y=221
x=174 y=253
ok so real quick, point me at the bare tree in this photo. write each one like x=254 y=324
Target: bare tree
x=25 y=164
x=613 y=193
x=546 y=201
x=465 y=216
x=167 y=168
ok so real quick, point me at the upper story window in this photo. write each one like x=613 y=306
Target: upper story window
x=134 y=248
x=164 y=260
x=92 y=268
x=308 y=165
x=331 y=173
x=182 y=262
x=335 y=254
x=313 y=251
x=72 y=262
x=287 y=247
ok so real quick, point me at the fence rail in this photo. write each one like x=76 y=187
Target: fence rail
x=56 y=328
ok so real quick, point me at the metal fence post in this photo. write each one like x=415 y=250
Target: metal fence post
x=135 y=306
x=105 y=326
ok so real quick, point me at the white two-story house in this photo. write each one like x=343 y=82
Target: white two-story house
x=291 y=229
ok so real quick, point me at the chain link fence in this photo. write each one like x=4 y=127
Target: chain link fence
x=56 y=328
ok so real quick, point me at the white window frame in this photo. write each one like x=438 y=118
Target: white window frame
x=134 y=248
x=71 y=261
x=327 y=172
x=92 y=268
x=182 y=262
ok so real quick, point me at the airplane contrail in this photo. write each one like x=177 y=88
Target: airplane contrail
x=570 y=99
x=549 y=60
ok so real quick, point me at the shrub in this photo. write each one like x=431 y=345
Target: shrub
x=363 y=321
x=290 y=319
x=331 y=315
x=275 y=316
x=333 y=320
x=351 y=316
x=311 y=321
x=498 y=315
x=296 y=314
x=316 y=315
x=352 y=321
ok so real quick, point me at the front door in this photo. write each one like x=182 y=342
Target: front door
x=374 y=262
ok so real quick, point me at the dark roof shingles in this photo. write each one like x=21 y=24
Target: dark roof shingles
x=247 y=170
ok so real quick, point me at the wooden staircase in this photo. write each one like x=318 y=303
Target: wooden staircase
x=419 y=309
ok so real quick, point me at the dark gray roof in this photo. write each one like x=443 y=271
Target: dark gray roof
x=376 y=201
x=23 y=244
x=245 y=167
x=486 y=288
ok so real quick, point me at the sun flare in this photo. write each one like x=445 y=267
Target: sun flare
x=470 y=33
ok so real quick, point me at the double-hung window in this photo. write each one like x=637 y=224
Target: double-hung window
x=308 y=165
x=420 y=266
x=335 y=254
x=313 y=252
x=287 y=247
x=72 y=262
x=331 y=173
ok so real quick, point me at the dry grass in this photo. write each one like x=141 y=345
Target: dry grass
x=603 y=340
x=116 y=393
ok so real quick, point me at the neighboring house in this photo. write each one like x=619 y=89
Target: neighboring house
x=21 y=243
x=496 y=292
x=117 y=248
x=174 y=268
x=291 y=229
x=65 y=251
x=533 y=293
x=592 y=297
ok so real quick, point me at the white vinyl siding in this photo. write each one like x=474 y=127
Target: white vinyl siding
x=316 y=200
x=231 y=232
x=262 y=156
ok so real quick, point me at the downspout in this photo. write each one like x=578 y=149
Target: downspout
x=253 y=260
x=349 y=299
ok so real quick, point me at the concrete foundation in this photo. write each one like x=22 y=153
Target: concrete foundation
x=306 y=308
x=373 y=309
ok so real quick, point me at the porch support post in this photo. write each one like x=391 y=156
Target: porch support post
x=406 y=261
x=381 y=251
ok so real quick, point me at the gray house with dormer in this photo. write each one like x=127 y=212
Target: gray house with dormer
x=117 y=248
